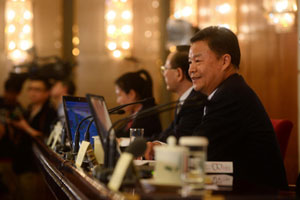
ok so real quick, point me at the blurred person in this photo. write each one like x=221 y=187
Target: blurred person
x=36 y=123
x=132 y=87
x=10 y=109
x=59 y=89
x=187 y=116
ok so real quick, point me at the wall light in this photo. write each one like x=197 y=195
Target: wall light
x=185 y=10
x=119 y=27
x=281 y=14
x=18 y=29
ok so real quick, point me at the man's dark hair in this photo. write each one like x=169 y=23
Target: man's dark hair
x=180 y=59
x=43 y=79
x=70 y=86
x=221 y=41
x=140 y=82
x=13 y=84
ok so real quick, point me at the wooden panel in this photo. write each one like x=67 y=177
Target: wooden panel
x=269 y=64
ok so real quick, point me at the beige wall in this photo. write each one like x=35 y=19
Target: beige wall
x=96 y=70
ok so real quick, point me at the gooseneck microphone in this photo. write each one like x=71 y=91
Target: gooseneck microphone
x=137 y=148
x=77 y=134
x=115 y=109
x=147 y=112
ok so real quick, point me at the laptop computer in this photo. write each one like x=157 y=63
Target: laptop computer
x=102 y=120
x=76 y=109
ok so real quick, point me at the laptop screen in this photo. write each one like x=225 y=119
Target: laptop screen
x=100 y=114
x=76 y=109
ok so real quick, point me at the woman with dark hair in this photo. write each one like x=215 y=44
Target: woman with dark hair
x=135 y=86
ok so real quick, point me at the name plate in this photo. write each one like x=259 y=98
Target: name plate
x=219 y=167
x=81 y=153
x=120 y=171
x=220 y=179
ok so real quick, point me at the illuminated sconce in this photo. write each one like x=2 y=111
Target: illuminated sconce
x=281 y=13
x=219 y=13
x=119 y=27
x=18 y=29
x=185 y=10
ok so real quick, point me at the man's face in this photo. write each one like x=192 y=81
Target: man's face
x=170 y=75
x=37 y=92
x=206 y=69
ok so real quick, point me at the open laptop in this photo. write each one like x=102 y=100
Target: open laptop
x=101 y=116
x=76 y=109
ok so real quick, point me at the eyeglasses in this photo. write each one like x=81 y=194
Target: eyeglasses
x=164 y=68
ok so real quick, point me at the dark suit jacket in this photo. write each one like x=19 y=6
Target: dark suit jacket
x=239 y=130
x=189 y=116
x=150 y=123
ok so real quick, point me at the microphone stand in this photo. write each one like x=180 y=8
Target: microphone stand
x=77 y=134
x=113 y=110
x=110 y=152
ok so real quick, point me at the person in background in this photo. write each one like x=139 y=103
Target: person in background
x=10 y=109
x=36 y=123
x=59 y=89
x=135 y=86
x=187 y=114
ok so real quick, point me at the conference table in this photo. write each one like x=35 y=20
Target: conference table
x=68 y=182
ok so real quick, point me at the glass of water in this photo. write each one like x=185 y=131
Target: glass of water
x=136 y=132
x=193 y=175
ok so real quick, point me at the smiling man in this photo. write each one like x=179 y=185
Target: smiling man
x=234 y=121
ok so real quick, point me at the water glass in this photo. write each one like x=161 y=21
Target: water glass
x=136 y=132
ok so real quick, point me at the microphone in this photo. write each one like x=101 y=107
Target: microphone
x=118 y=112
x=77 y=134
x=137 y=148
x=113 y=110
x=124 y=172
x=150 y=111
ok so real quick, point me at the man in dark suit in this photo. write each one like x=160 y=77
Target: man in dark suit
x=187 y=114
x=235 y=121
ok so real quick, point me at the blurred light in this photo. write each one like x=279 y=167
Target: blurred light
x=126 y=14
x=281 y=14
x=11 y=15
x=126 y=29
x=12 y=45
x=24 y=45
x=26 y=29
x=172 y=48
x=111 y=29
x=75 y=40
x=119 y=27
x=185 y=10
x=224 y=8
x=111 y=15
x=27 y=15
x=112 y=46
x=18 y=35
x=125 y=45
x=117 y=54
x=11 y=28
x=75 y=52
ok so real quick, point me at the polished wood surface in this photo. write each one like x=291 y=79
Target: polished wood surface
x=66 y=181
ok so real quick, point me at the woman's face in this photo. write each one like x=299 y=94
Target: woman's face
x=123 y=98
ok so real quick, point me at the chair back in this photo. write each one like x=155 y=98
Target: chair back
x=283 y=129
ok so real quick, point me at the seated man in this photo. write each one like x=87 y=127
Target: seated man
x=235 y=121
x=189 y=113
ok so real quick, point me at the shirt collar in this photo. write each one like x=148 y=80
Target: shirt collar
x=185 y=94
x=212 y=94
